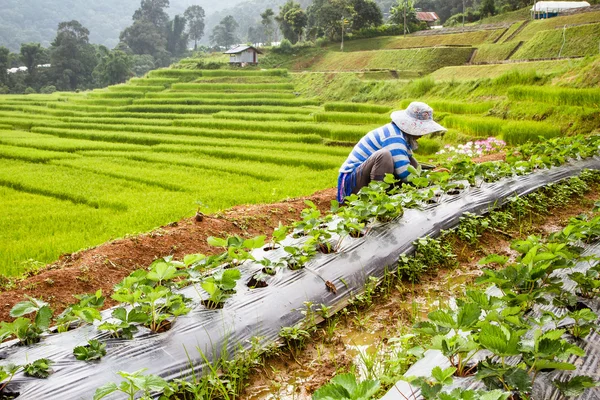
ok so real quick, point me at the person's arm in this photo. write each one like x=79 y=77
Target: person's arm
x=413 y=162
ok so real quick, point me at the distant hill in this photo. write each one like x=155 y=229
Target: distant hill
x=37 y=20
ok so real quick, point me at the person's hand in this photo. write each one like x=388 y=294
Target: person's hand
x=441 y=169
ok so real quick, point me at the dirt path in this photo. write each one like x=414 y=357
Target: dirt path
x=103 y=266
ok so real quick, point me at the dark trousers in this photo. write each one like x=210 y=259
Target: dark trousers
x=374 y=169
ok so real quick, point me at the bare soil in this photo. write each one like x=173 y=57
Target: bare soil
x=103 y=266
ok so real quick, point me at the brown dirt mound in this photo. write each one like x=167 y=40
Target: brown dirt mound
x=103 y=266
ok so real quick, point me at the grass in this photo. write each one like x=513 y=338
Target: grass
x=473 y=72
x=231 y=86
x=516 y=133
x=231 y=102
x=423 y=60
x=578 y=41
x=558 y=22
x=489 y=53
x=455 y=107
x=395 y=42
x=352 y=118
x=513 y=132
x=357 y=107
x=556 y=95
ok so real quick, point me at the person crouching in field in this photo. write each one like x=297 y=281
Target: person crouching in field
x=387 y=150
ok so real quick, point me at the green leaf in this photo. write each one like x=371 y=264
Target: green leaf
x=331 y=391
x=443 y=376
x=347 y=381
x=209 y=286
x=255 y=243
x=154 y=383
x=442 y=318
x=493 y=338
x=193 y=258
x=575 y=386
x=518 y=378
x=547 y=364
x=137 y=316
x=366 y=390
x=468 y=315
x=120 y=314
x=216 y=242
x=493 y=259
x=43 y=318
x=105 y=390
x=23 y=308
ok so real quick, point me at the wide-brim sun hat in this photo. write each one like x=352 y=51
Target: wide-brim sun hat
x=417 y=120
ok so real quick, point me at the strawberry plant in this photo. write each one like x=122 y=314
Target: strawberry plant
x=94 y=350
x=7 y=372
x=344 y=386
x=278 y=235
x=220 y=286
x=576 y=385
x=237 y=249
x=39 y=368
x=446 y=328
x=28 y=331
x=547 y=351
x=297 y=257
x=85 y=311
x=588 y=282
x=133 y=385
x=584 y=322
x=122 y=323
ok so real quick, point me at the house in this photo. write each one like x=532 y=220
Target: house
x=549 y=9
x=242 y=55
x=430 y=18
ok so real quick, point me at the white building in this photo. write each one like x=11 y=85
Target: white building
x=549 y=9
x=243 y=55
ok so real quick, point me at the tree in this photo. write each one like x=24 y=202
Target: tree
x=366 y=14
x=114 y=67
x=144 y=38
x=153 y=11
x=487 y=8
x=177 y=38
x=195 y=18
x=31 y=55
x=224 y=34
x=284 y=25
x=267 y=23
x=296 y=19
x=325 y=17
x=412 y=23
x=4 y=62
x=73 y=58
x=255 y=35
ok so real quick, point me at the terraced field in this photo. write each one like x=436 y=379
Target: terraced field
x=79 y=169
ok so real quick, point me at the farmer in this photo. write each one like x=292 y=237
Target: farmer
x=387 y=150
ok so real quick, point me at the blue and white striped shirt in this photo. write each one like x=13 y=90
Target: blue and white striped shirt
x=389 y=137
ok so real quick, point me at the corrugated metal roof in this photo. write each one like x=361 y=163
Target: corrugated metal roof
x=556 y=6
x=240 y=49
x=427 y=16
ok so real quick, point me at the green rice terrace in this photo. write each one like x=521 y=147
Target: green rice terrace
x=119 y=188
